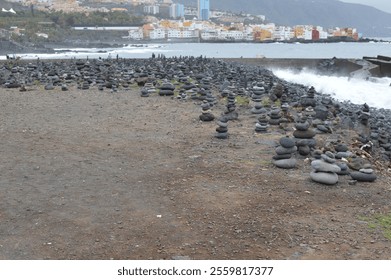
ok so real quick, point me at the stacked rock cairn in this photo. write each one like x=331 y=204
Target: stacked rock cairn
x=166 y=88
x=325 y=169
x=147 y=89
x=256 y=97
x=222 y=129
x=230 y=113
x=304 y=136
x=262 y=124
x=206 y=114
x=284 y=153
x=275 y=116
x=364 y=174
x=342 y=152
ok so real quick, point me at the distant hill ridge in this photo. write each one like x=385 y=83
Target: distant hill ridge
x=369 y=21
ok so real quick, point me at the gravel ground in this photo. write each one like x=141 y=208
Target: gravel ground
x=101 y=175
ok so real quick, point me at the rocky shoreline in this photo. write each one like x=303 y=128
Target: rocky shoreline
x=239 y=78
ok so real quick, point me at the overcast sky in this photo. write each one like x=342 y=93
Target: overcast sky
x=384 y=5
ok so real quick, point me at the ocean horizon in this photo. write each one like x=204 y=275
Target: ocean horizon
x=348 y=50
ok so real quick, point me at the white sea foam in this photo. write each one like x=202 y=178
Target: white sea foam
x=376 y=92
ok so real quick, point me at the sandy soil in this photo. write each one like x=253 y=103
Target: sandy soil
x=101 y=175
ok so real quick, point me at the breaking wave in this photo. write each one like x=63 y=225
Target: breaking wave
x=376 y=92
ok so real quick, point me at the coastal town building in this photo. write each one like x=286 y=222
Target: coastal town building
x=203 y=9
x=198 y=23
x=208 y=31
x=177 y=11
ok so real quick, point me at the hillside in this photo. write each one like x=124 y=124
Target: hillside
x=327 y=13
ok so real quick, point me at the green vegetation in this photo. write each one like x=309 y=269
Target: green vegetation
x=58 y=25
x=242 y=100
x=380 y=221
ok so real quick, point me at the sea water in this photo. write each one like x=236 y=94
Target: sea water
x=226 y=50
x=376 y=92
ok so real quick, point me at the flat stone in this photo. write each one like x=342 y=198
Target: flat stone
x=340 y=155
x=366 y=170
x=324 y=178
x=308 y=134
x=284 y=156
x=322 y=166
x=287 y=142
x=222 y=124
x=282 y=151
x=222 y=135
x=306 y=142
x=285 y=163
x=363 y=177
x=328 y=159
x=222 y=129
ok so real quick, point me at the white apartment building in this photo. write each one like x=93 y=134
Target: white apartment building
x=158 y=33
x=182 y=34
x=282 y=33
x=136 y=34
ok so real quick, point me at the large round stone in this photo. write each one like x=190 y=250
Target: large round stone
x=363 y=177
x=207 y=117
x=285 y=163
x=304 y=150
x=341 y=148
x=324 y=178
x=287 y=142
x=303 y=126
x=304 y=134
x=322 y=166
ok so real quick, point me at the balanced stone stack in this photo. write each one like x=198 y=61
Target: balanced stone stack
x=206 y=114
x=256 y=97
x=325 y=169
x=275 y=116
x=262 y=125
x=230 y=113
x=364 y=174
x=276 y=92
x=211 y=99
x=364 y=114
x=304 y=136
x=342 y=151
x=222 y=130
x=166 y=89
x=309 y=99
x=147 y=89
x=284 y=152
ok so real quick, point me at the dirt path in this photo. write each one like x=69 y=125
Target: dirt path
x=100 y=175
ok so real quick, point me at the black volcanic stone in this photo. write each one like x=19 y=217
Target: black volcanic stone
x=207 y=117
x=222 y=129
x=287 y=142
